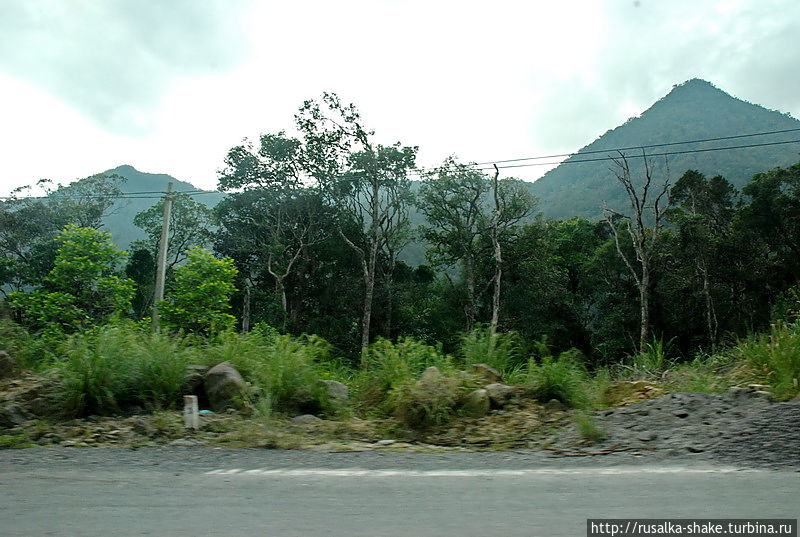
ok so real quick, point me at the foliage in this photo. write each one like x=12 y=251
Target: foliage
x=424 y=403
x=563 y=378
x=775 y=357
x=82 y=288
x=200 y=296
x=653 y=360
x=388 y=365
x=502 y=351
x=588 y=428
x=110 y=367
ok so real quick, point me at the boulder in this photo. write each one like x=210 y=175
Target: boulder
x=486 y=374
x=13 y=415
x=477 y=404
x=224 y=387
x=629 y=392
x=500 y=394
x=193 y=382
x=337 y=392
x=431 y=375
x=8 y=366
x=306 y=419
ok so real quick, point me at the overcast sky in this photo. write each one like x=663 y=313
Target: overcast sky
x=169 y=86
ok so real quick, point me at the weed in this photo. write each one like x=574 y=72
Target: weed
x=14 y=442
x=588 y=428
x=774 y=357
x=502 y=351
x=563 y=378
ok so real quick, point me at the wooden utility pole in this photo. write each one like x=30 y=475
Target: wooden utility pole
x=161 y=267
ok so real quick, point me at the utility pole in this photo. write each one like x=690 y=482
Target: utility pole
x=161 y=266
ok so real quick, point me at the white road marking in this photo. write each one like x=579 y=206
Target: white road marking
x=362 y=472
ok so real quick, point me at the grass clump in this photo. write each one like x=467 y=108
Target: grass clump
x=501 y=351
x=112 y=366
x=563 y=378
x=388 y=366
x=588 y=427
x=284 y=369
x=15 y=442
x=653 y=360
x=430 y=401
x=774 y=358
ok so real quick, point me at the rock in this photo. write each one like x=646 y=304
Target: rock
x=385 y=442
x=337 y=392
x=40 y=406
x=8 y=366
x=306 y=419
x=431 y=375
x=554 y=405
x=628 y=392
x=193 y=384
x=143 y=427
x=500 y=394
x=486 y=374
x=183 y=442
x=13 y=415
x=477 y=404
x=647 y=437
x=224 y=387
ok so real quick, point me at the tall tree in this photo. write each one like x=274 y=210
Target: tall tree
x=467 y=215
x=368 y=182
x=646 y=203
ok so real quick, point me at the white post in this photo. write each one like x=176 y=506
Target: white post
x=191 y=419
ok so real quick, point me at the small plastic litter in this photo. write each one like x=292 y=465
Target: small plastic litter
x=206 y=412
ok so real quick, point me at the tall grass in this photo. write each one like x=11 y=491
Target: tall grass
x=112 y=366
x=503 y=351
x=389 y=365
x=653 y=359
x=774 y=357
x=563 y=378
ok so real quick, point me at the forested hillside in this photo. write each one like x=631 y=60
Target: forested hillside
x=694 y=110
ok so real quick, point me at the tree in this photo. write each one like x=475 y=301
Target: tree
x=29 y=223
x=190 y=226
x=461 y=221
x=645 y=204
x=200 y=295
x=83 y=286
x=368 y=182
x=702 y=210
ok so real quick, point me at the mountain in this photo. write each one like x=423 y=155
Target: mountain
x=120 y=220
x=694 y=110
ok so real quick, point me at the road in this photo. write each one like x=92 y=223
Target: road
x=200 y=492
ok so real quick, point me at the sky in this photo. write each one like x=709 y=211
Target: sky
x=170 y=86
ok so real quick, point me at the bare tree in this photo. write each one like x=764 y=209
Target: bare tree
x=645 y=204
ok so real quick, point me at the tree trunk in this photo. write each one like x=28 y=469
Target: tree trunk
x=284 y=305
x=711 y=316
x=246 y=309
x=498 y=261
x=469 y=269
x=644 y=301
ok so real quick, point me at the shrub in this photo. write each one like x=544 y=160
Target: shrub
x=588 y=428
x=283 y=368
x=503 y=351
x=652 y=360
x=116 y=365
x=563 y=378
x=422 y=404
x=390 y=365
x=775 y=358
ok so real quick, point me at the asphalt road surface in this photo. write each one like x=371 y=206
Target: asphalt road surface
x=204 y=492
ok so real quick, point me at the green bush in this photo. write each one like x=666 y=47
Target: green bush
x=775 y=358
x=283 y=368
x=503 y=351
x=653 y=360
x=424 y=403
x=390 y=365
x=112 y=366
x=563 y=378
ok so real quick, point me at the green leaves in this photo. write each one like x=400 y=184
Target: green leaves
x=200 y=297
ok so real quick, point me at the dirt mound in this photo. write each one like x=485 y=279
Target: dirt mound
x=742 y=426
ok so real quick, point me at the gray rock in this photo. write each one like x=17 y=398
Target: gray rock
x=500 y=394
x=477 y=404
x=337 y=392
x=306 y=419
x=195 y=375
x=13 y=415
x=431 y=375
x=385 y=442
x=486 y=374
x=225 y=388
x=8 y=366
x=40 y=406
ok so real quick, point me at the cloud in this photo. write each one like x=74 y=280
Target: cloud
x=748 y=49
x=113 y=59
